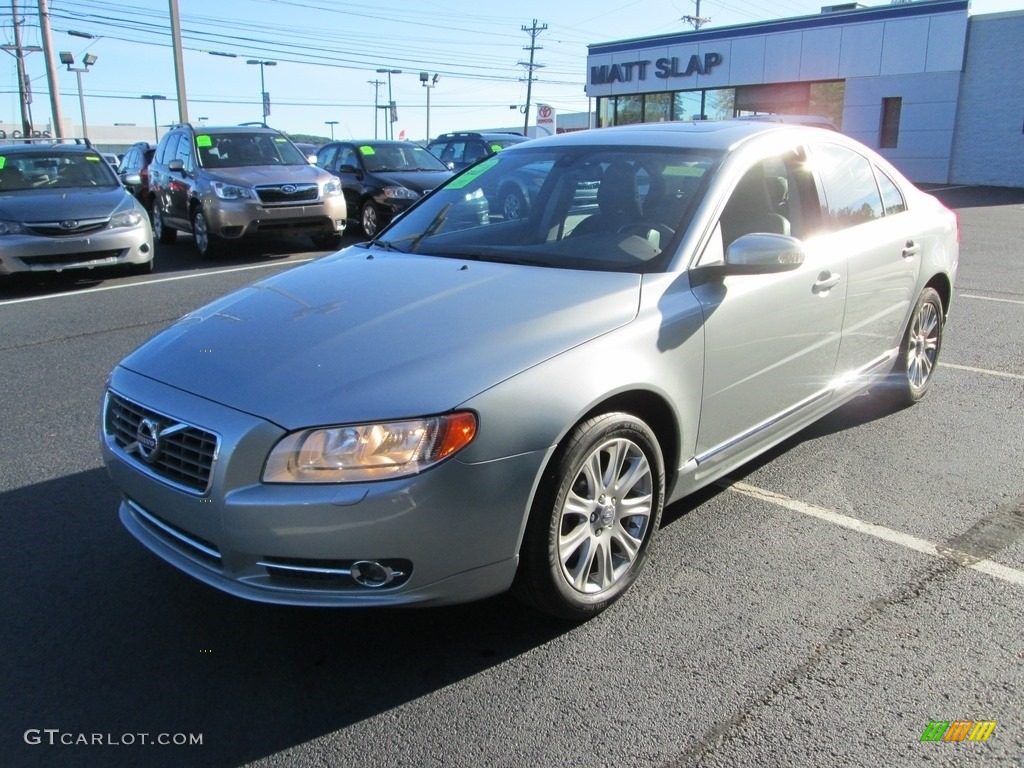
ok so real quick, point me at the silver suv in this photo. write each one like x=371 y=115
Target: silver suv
x=225 y=183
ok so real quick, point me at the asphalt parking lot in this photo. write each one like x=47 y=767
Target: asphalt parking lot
x=858 y=583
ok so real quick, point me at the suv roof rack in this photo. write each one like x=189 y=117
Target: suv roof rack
x=477 y=134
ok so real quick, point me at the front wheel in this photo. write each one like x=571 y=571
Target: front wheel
x=513 y=205
x=208 y=244
x=369 y=219
x=593 y=519
x=919 y=352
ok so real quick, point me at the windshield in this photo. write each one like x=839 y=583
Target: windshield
x=53 y=169
x=602 y=208
x=242 y=149
x=399 y=156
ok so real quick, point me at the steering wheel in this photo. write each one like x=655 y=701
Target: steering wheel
x=644 y=228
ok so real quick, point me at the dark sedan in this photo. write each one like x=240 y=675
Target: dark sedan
x=381 y=179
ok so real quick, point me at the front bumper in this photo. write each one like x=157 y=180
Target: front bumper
x=448 y=535
x=232 y=219
x=106 y=248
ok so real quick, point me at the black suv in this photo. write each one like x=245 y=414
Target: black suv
x=459 y=150
x=224 y=183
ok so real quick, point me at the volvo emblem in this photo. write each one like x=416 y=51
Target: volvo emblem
x=68 y=224
x=147 y=435
x=288 y=189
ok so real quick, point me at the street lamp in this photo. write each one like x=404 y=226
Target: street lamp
x=67 y=59
x=428 y=83
x=392 y=110
x=331 y=123
x=263 y=88
x=155 y=98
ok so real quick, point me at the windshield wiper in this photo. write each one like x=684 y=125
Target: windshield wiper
x=431 y=228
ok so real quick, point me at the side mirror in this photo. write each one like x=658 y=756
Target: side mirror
x=176 y=165
x=311 y=159
x=131 y=179
x=760 y=253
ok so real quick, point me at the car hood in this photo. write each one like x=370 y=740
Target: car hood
x=418 y=181
x=61 y=204
x=258 y=175
x=364 y=335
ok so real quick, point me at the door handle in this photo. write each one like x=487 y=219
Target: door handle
x=911 y=249
x=826 y=281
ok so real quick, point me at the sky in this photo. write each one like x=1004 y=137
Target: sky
x=328 y=53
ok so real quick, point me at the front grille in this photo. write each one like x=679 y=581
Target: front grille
x=288 y=193
x=70 y=228
x=180 y=453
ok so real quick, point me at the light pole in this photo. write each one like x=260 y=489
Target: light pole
x=429 y=83
x=331 y=123
x=392 y=111
x=263 y=88
x=154 y=98
x=67 y=59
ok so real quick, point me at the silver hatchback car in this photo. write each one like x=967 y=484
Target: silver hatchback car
x=63 y=208
x=468 y=404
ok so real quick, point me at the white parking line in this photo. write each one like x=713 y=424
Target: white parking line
x=1004 y=374
x=997 y=570
x=156 y=281
x=990 y=298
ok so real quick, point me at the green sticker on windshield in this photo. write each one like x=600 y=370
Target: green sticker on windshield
x=3 y=161
x=204 y=141
x=279 y=140
x=473 y=174
x=367 y=150
x=495 y=147
x=93 y=159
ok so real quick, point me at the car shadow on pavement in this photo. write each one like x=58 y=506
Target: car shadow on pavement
x=865 y=408
x=101 y=637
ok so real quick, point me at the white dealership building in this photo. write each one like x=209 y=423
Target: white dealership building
x=935 y=89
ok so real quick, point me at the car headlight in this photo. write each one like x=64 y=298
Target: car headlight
x=400 y=193
x=355 y=453
x=130 y=218
x=332 y=188
x=231 y=191
x=11 y=228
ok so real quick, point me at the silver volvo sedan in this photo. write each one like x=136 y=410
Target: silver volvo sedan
x=466 y=405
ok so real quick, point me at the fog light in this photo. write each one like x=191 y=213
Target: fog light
x=371 y=574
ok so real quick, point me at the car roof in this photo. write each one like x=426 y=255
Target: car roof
x=718 y=135
x=19 y=146
x=480 y=135
x=214 y=129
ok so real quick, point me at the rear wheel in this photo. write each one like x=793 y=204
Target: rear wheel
x=919 y=352
x=208 y=244
x=593 y=519
x=161 y=231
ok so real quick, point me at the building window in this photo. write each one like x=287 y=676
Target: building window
x=657 y=107
x=890 y=132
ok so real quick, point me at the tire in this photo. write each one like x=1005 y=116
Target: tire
x=208 y=245
x=161 y=232
x=326 y=242
x=369 y=219
x=919 y=351
x=513 y=205
x=596 y=511
x=145 y=268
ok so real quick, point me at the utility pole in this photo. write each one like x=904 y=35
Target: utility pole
x=51 y=70
x=179 y=64
x=530 y=66
x=23 y=85
x=696 y=20
x=376 y=102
